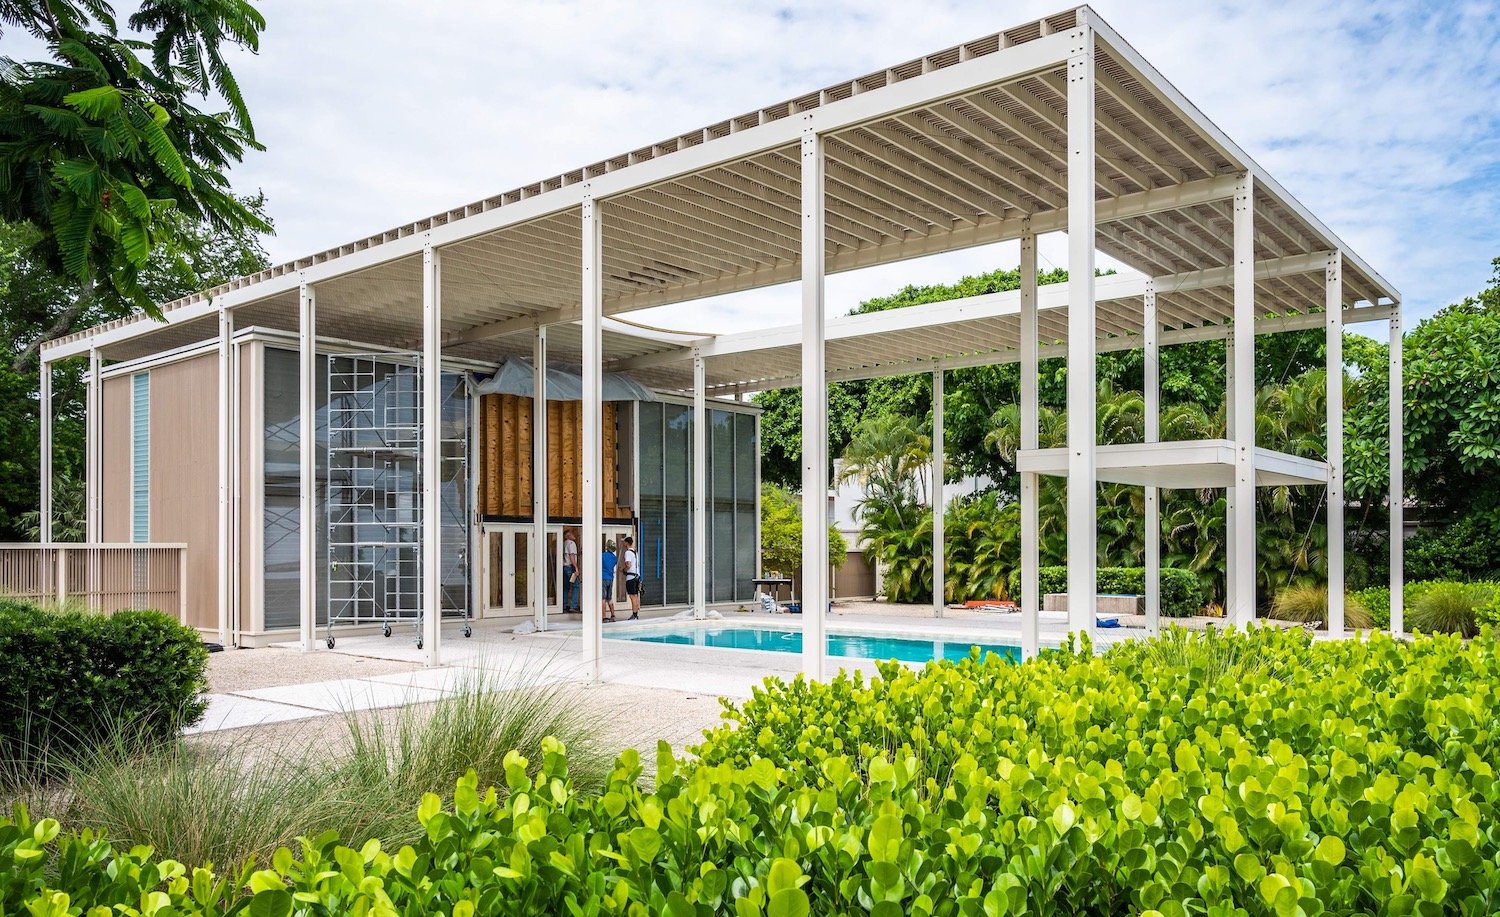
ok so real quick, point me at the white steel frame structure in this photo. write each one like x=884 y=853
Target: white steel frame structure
x=1056 y=125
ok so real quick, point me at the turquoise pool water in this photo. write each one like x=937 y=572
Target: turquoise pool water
x=858 y=646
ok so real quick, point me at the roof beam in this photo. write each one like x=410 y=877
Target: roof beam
x=1137 y=66
x=1109 y=288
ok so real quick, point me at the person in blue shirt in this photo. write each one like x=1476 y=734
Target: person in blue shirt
x=607 y=564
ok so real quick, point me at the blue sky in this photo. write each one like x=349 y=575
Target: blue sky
x=1383 y=117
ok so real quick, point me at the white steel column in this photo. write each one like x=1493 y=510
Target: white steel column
x=1151 y=537
x=1333 y=305
x=939 y=470
x=590 y=547
x=1241 y=601
x=537 y=556
x=814 y=413
x=700 y=491
x=1083 y=490
x=93 y=450
x=44 y=419
x=1031 y=602
x=1231 y=572
x=307 y=435
x=226 y=566
x=1398 y=451
x=432 y=456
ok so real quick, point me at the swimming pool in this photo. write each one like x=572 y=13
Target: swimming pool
x=858 y=646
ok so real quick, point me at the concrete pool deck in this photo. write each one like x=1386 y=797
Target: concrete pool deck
x=373 y=672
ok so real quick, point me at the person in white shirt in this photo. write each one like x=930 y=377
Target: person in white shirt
x=632 y=578
x=572 y=588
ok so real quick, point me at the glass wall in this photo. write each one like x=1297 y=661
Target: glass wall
x=392 y=484
x=665 y=438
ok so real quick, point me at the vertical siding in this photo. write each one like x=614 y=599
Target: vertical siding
x=114 y=500
x=185 y=474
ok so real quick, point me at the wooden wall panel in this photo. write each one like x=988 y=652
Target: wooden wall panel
x=506 y=473
x=489 y=458
x=554 y=449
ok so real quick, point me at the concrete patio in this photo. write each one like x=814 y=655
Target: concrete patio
x=504 y=658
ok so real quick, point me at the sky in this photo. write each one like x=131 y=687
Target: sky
x=1382 y=117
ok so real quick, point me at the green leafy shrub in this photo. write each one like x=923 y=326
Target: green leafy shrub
x=1253 y=773
x=1466 y=549
x=1377 y=601
x=1181 y=591
x=71 y=680
x=1308 y=602
x=1450 y=608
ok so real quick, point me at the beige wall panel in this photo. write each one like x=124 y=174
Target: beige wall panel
x=250 y=484
x=115 y=498
x=185 y=474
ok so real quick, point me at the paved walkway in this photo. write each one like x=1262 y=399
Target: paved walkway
x=498 y=658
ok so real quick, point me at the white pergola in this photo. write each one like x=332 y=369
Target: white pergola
x=972 y=145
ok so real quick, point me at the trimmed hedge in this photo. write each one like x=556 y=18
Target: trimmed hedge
x=1181 y=592
x=72 y=679
x=1253 y=774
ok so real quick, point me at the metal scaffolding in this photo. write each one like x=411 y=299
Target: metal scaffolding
x=373 y=498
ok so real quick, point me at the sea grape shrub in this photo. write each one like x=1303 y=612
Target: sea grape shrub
x=1250 y=773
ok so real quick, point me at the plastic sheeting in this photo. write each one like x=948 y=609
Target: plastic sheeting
x=515 y=378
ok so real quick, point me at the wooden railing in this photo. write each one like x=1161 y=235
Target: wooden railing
x=105 y=577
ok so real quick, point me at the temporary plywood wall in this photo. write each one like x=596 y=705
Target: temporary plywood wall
x=505 y=467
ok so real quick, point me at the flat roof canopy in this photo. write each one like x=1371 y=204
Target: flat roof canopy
x=960 y=148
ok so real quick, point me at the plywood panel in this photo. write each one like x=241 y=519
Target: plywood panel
x=509 y=500
x=554 y=459
x=522 y=461
x=611 y=476
x=507 y=475
x=490 y=457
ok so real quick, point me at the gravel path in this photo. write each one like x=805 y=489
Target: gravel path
x=629 y=717
x=272 y=666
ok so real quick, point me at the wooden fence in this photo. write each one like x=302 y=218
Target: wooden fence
x=105 y=577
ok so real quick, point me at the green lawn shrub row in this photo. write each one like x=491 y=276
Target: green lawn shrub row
x=71 y=680
x=1181 y=592
x=1252 y=774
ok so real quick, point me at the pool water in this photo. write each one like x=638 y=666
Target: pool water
x=858 y=646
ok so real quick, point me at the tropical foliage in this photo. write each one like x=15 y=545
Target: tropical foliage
x=1254 y=773
x=103 y=148
x=1452 y=458
x=34 y=299
x=781 y=533
x=114 y=195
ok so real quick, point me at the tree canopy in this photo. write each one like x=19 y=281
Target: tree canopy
x=1452 y=453
x=105 y=151
x=32 y=295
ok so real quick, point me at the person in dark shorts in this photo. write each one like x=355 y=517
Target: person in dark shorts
x=632 y=578
x=607 y=564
